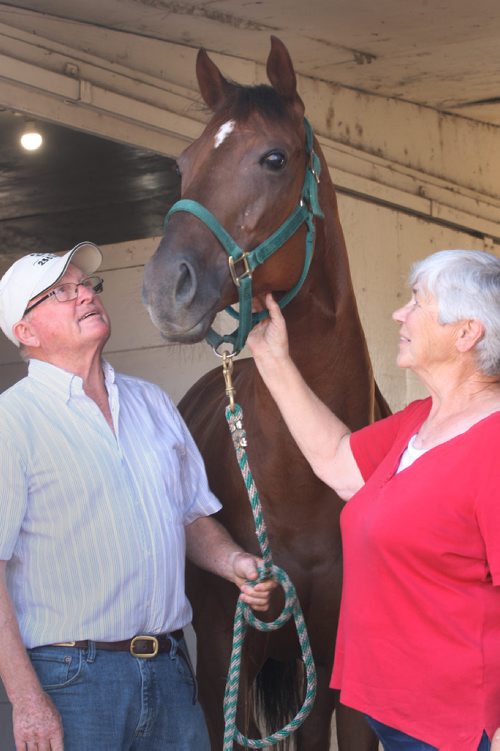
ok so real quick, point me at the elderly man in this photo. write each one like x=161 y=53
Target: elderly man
x=103 y=493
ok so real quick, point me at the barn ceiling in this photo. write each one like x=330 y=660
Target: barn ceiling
x=440 y=53
x=444 y=54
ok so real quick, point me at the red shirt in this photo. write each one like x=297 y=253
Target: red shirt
x=418 y=645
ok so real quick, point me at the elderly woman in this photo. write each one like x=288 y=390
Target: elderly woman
x=418 y=647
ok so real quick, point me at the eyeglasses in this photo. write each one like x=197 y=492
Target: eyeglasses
x=69 y=291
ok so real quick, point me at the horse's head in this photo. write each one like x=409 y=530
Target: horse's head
x=247 y=170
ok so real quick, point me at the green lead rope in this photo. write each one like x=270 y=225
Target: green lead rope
x=244 y=615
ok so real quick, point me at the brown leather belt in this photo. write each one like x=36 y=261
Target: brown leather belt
x=143 y=645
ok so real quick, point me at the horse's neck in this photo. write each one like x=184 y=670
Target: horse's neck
x=332 y=262
x=326 y=337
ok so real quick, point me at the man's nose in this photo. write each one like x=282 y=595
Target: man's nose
x=84 y=293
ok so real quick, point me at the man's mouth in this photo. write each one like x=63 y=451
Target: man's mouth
x=88 y=315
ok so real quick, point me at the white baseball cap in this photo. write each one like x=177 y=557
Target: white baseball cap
x=33 y=274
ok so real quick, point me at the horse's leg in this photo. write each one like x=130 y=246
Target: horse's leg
x=353 y=732
x=212 y=671
x=212 y=660
x=211 y=689
x=314 y=734
x=213 y=601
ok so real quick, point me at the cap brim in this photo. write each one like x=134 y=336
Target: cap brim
x=85 y=256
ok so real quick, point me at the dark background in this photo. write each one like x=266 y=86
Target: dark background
x=78 y=187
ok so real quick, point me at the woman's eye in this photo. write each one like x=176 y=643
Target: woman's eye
x=274 y=160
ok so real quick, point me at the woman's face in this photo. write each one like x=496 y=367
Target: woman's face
x=424 y=343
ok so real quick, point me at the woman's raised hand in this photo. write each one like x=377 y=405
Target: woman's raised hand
x=269 y=339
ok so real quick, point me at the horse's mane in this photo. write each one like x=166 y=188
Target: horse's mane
x=241 y=101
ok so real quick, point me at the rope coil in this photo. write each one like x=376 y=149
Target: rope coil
x=245 y=617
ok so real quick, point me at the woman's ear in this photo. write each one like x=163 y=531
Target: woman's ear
x=470 y=332
x=24 y=332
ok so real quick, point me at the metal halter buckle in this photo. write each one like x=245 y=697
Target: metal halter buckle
x=247 y=271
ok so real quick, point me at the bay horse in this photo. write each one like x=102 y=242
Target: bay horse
x=247 y=169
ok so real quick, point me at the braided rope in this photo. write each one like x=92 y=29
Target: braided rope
x=244 y=615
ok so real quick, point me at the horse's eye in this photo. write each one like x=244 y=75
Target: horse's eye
x=274 y=160
x=178 y=170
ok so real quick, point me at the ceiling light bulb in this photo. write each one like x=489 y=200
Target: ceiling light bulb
x=31 y=138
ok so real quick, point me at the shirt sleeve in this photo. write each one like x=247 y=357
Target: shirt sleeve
x=13 y=496
x=198 y=498
x=487 y=471
x=371 y=444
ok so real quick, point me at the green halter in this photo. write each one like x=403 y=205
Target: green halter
x=306 y=211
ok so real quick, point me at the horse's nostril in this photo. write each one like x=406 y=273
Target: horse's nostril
x=185 y=288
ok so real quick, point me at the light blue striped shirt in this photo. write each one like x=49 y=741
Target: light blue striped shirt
x=92 y=523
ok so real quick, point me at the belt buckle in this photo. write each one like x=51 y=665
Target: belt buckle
x=146 y=637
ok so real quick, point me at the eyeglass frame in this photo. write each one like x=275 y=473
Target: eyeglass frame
x=97 y=289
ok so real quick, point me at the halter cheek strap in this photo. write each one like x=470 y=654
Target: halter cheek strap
x=242 y=263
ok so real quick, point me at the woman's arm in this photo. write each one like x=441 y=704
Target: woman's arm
x=320 y=435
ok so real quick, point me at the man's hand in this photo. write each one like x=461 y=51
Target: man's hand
x=37 y=724
x=210 y=546
x=36 y=721
x=245 y=567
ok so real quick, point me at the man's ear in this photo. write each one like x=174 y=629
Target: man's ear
x=24 y=332
x=470 y=332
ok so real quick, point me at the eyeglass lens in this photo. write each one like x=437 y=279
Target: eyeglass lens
x=69 y=291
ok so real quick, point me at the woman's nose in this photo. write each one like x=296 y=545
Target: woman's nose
x=399 y=315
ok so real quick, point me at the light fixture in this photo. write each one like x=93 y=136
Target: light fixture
x=31 y=138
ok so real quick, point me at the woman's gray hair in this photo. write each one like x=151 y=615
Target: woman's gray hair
x=466 y=285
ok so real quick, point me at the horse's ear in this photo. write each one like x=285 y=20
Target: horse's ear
x=281 y=73
x=213 y=86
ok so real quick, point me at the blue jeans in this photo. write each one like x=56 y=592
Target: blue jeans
x=395 y=740
x=111 y=701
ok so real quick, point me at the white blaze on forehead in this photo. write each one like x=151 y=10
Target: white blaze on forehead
x=223 y=132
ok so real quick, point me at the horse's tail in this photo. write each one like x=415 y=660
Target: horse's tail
x=279 y=690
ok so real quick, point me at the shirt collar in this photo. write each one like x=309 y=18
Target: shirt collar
x=62 y=382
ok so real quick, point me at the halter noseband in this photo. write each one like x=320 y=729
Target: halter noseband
x=242 y=263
